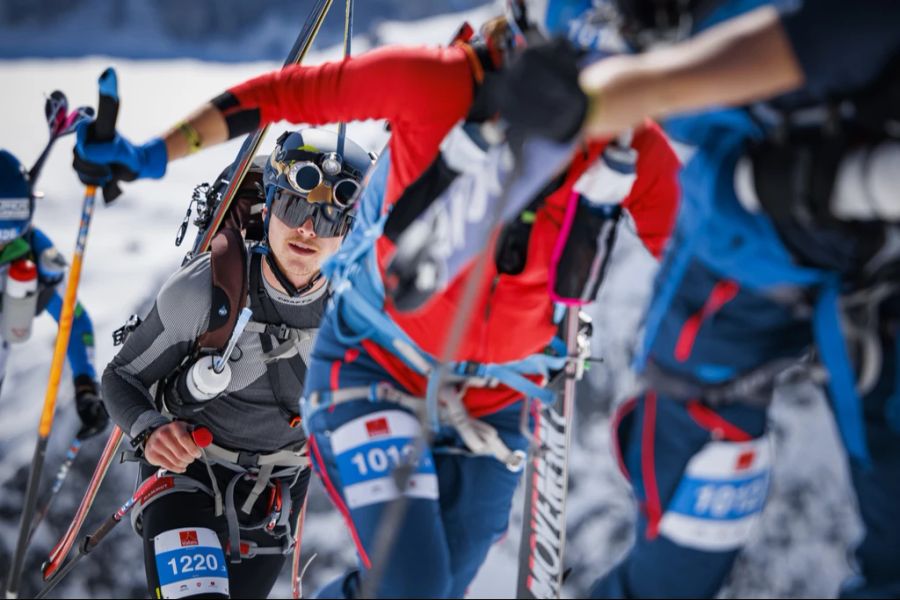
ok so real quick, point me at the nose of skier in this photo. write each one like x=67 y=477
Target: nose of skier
x=307 y=229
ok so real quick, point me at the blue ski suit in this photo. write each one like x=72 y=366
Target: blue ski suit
x=736 y=300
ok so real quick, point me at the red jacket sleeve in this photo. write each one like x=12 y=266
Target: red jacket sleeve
x=400 y=84
x=421 y=91
x=653 y=201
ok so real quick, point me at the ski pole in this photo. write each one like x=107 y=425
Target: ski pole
x=248 y=150
x=46 y=423
x=61 y=473
x=60 y=122
x=150 y=487
x=104 y=128
x=348 y=36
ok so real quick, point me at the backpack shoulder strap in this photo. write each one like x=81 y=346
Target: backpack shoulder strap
x=228 y=263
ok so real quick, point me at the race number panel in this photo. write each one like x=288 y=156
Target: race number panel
x=720 y=497
x=367 y=450
x=190 y=561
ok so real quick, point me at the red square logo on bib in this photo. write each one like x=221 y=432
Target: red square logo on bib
x=188 y=538
x=745 y=460
x=377 y=427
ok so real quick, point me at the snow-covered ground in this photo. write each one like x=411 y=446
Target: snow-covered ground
x=799 y=550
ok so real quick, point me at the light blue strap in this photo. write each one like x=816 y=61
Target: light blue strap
x=509 y=377
x=833 y=350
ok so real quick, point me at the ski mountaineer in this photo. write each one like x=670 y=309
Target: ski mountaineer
x=231 y=513
x=362 y=393
x=785 y=241
x=31 y=270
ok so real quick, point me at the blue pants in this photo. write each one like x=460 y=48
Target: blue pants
x=458 y=504
x=700 y=468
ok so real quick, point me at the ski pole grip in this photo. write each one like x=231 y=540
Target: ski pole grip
x=104 y=128
x=202 y=436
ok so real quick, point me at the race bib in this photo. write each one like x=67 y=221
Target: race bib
x=368 y=449
x=720 y=497
x=190 y=561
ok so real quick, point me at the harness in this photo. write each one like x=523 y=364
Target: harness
x=358 y=301
x=277 y=471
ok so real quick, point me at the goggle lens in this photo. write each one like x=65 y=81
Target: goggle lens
x=305 y=176
x=293 y=210
x=344 y=191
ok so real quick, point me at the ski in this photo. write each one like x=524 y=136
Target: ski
x=209 y=219
x=542 y=546
x=62 y=547
x=91 y=541
x=436 y=244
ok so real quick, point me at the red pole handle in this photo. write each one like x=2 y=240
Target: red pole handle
x=202 y=436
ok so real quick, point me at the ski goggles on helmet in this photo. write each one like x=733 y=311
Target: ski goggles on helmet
x=328 y=219
x=305 y=176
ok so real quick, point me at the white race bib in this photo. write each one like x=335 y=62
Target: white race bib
x=190 y=561
x=369 y=448
x=720 y=497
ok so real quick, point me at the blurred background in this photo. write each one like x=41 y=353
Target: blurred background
x=217 y=30
x=172 y=55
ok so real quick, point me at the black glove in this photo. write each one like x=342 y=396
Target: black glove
x=91 y=411
x=540 y=94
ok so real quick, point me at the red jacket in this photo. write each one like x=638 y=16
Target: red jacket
x=423 y=92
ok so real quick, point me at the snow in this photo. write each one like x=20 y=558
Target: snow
x=800 y=548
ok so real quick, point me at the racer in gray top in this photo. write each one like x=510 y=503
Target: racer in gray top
x=244 y=496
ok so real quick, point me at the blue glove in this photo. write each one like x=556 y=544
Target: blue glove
x=100 y=162
x=103 y=157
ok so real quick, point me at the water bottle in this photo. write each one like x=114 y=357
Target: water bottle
x=19 y=301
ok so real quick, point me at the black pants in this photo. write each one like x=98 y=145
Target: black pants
x=250 y=578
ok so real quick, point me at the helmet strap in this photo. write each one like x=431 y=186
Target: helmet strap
x=289 y=287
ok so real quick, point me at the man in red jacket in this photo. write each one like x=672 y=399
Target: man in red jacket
x=372 y=363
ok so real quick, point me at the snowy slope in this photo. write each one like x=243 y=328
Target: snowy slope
x=799 y=550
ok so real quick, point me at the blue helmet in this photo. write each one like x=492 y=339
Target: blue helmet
x=305 y=160
x=313 y=165
x=16 y=198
